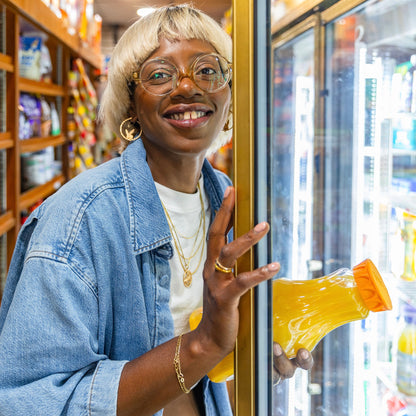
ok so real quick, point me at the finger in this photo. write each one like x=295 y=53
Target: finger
x=221 y=223
x=231 y=252
x=304 y=359
x=247 y=280
x=285 y=367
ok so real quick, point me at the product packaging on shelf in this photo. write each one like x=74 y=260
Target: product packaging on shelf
x=34 y=58
x=30 y=113
x=30 y=57
x=37 y=117
x=39 y=167
x=404 y=133
x=81 y=117
x=409 y=239
x=406 y=351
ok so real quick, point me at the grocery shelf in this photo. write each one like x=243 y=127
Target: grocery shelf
x=6 y=63
x=7 y=222
x=405 y=201
x=40 y=87
x=38 y=193
x=39 y=143
x=6 y=141
x=42 y=16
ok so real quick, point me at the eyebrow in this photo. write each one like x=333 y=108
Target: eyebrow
x=193 y=57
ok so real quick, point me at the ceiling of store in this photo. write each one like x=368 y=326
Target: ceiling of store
x=123 y=12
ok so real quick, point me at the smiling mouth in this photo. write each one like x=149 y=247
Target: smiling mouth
x=187 y=115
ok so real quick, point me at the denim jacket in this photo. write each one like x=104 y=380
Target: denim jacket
x=88 y=290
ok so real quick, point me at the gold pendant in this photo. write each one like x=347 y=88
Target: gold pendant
x=187 y=278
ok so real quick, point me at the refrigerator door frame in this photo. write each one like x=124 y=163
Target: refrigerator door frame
x=244 y=27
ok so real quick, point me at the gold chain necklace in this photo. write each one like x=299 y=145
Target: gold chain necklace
x=199 y=245
x=195 y=234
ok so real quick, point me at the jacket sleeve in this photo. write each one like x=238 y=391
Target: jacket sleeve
x=50 y=363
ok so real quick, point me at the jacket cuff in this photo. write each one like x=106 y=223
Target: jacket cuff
x=104 y=388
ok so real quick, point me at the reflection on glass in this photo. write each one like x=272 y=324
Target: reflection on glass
x=292 y=155
x=279 y=8
x=292 y=179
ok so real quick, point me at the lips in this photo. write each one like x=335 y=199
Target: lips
x=188 y=116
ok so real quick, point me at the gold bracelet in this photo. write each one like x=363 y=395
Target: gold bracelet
x=177 y=364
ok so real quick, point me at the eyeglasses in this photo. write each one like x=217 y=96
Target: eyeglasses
x=209 y=72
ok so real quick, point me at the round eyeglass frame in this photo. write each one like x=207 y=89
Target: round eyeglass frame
x=137 y=79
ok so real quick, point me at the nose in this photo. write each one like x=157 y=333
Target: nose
x=186 y=86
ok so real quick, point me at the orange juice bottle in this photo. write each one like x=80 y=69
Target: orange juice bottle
x=406 y=352
x=304 y=311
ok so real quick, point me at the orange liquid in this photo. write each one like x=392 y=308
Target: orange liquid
x=304 y=311
x=225 y=368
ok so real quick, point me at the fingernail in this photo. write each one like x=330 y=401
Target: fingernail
x=277 y=349
x=273 y=266
x=227 y=191
x=304 y=355
x=260 y=227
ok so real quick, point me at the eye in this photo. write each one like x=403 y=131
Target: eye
x=207 y=71
x=159 y=76
x=157 y=72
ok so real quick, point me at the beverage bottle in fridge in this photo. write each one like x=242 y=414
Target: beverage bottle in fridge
x=304 y=311
x=406 y=352
x=409 y=238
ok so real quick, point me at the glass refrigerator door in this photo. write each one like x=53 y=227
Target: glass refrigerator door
x=370 y=184
x=292 y=180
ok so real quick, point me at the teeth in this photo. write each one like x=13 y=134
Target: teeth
x=188 y=115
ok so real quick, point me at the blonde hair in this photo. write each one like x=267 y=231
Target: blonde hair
x=140 y=40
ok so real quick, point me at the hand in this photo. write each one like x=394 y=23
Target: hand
x=284 y=367
x=222 y=290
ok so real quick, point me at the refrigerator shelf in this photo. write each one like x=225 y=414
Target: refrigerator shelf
x=385 y=373
x=403 y=200
x=407 y=290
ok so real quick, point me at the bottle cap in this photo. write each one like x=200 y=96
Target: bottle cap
x=371 y=286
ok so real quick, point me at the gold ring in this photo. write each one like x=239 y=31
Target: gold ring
x=221 y=268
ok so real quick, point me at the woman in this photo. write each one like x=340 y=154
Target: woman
x=106 y=272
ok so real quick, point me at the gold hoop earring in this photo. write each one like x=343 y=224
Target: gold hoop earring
x=128 y=128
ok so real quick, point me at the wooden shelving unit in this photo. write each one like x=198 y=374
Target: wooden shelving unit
x=15 y=17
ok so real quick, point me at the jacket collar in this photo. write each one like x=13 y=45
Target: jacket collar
x=148 y=225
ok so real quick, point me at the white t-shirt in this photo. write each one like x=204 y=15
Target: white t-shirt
x=185 y=212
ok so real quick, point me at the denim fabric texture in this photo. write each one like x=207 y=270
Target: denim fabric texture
x=88 y=290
